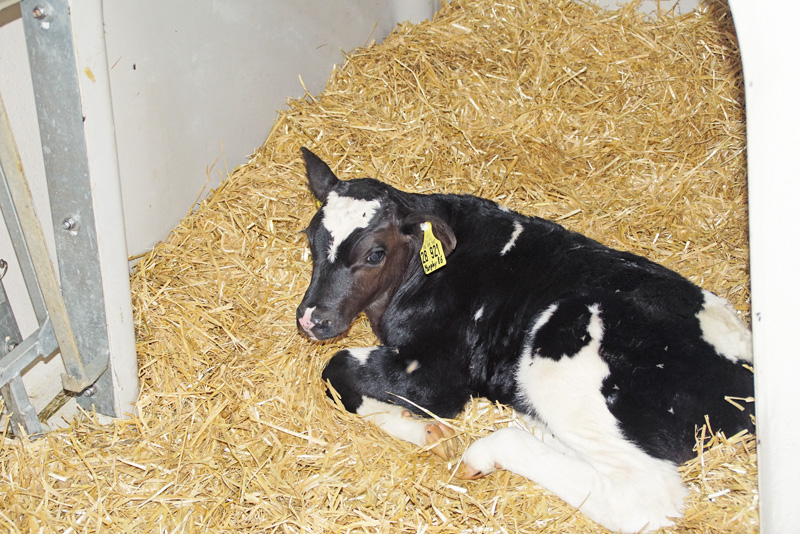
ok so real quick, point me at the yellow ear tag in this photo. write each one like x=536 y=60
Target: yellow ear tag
x=432 y=253
x=318 y=202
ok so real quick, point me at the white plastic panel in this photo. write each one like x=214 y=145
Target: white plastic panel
x=769 y=42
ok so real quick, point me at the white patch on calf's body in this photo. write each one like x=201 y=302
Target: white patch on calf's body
x=343 y=215
x=543 y=382
x=389 y=418
x=595 y=327
x=540 y=321
x=724 y=330
x=585 y=459
x=478 y=314
x=513 y=240
x=361 y=353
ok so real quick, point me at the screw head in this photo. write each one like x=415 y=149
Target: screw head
x=38 y=12
x=10 y=344
x=90 y=391
x=69 y=224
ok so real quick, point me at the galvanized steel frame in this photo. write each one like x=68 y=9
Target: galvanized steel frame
x=73 y=319
x=48 y=33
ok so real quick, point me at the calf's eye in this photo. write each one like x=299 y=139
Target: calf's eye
x=375 y=257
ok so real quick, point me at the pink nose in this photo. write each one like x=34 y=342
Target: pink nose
x=305 y=321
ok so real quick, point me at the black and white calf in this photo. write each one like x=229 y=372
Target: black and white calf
x=612 y=359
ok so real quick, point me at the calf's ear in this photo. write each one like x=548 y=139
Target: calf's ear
x=320 y=177
x=412 y=225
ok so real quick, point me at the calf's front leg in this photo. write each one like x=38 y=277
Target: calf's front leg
x=383 y=386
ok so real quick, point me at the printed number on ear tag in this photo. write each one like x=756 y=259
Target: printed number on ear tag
x=432 y=253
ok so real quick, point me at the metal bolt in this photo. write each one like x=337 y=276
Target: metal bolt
x=69 y=224
x=90 y=391
x=38 y=12
x=10 y=344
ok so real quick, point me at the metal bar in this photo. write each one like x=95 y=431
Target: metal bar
x=19 y=408
x=18 y=405
x=41 y=343
x=17 y=235
x=48 y=34
x=10 y=336
x=37 y=248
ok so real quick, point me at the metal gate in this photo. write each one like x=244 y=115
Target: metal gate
x=70 y=309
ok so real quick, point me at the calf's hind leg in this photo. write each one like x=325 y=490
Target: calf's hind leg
x=621 y=488
x=591 y=465
x=382 y=386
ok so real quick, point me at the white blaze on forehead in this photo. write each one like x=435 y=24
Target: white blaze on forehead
x=513 y=240
x=343 y=215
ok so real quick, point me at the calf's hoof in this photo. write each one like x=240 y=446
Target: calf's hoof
x=466 y=472
x=442 y=437
x=480 y=459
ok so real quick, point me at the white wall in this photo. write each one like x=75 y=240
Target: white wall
x=190 y=77
x=769 y=41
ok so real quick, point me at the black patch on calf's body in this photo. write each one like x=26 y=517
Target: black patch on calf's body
x=664 y=379
x=565 y=333
x=339 y=372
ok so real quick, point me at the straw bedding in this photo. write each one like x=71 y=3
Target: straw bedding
x=628 y=129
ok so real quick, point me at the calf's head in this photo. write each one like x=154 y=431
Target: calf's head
x=363 y=240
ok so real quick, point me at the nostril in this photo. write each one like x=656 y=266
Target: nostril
x=325 y=323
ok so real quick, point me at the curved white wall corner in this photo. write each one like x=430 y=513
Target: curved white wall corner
x=101 y=149
x=769 y=40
